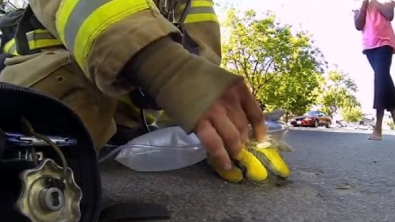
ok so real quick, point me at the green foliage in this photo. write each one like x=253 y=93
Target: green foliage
x=337 y=93
x=391 y=125
x=282 y=68
x=351 y=114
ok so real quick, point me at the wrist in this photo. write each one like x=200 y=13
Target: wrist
x=182 y=84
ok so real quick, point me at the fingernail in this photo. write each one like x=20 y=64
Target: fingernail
x=228 y=166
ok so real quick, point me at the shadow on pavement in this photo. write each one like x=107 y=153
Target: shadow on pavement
x=336 y=177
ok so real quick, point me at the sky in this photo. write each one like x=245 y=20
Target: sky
x=332 y=25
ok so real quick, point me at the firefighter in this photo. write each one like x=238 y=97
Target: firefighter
x=104 y=50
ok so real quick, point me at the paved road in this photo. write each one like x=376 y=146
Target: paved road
x=337 y=176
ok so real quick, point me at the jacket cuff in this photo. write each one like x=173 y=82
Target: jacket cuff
x=184 y=85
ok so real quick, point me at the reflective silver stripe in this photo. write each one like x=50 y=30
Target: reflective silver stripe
x=81 y=11
x=32 y=36
x=200 y=10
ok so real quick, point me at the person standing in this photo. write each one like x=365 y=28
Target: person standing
x=373 y=19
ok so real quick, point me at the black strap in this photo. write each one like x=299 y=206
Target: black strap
x=187 y=41
x=134 y=212
x=22 y=43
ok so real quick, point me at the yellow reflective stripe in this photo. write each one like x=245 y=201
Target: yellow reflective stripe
x=38 y=44
x=37 y=39
x=197 y=3
x=202 y=3
x=200 y=11
x=8 y=46
x=80 y=22
x=207 y=17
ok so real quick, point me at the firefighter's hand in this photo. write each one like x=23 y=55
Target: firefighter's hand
x=254 y=161
x=224 y=127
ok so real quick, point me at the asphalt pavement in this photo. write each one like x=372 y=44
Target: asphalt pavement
x=337 y=175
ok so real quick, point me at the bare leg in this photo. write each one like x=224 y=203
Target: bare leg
x=384 y=90
x=377 y=131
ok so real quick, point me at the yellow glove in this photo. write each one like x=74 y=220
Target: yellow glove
x=254 y=161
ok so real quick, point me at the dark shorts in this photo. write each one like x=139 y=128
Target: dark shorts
x=384 y=91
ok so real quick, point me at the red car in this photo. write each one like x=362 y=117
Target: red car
x=312 y=119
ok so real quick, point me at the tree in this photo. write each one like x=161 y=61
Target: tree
x=351 y=114
x=285 y=91
x=391 y=125
x=337 y=93
x=281 y=67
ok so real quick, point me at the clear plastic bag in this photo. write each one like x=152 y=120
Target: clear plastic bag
x=162 y=150
x=171 y=148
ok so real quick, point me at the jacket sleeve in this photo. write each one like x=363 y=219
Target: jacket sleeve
x=103 y=35
x=200 y=20
x=120 y=44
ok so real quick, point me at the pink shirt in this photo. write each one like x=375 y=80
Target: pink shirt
x=377 y=30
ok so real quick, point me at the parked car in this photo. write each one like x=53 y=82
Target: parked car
x=312 y=119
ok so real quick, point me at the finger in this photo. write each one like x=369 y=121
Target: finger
x=244 y=134
x=254 y=115
x=239 y=119
x=229 y=133
x=213 y=144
